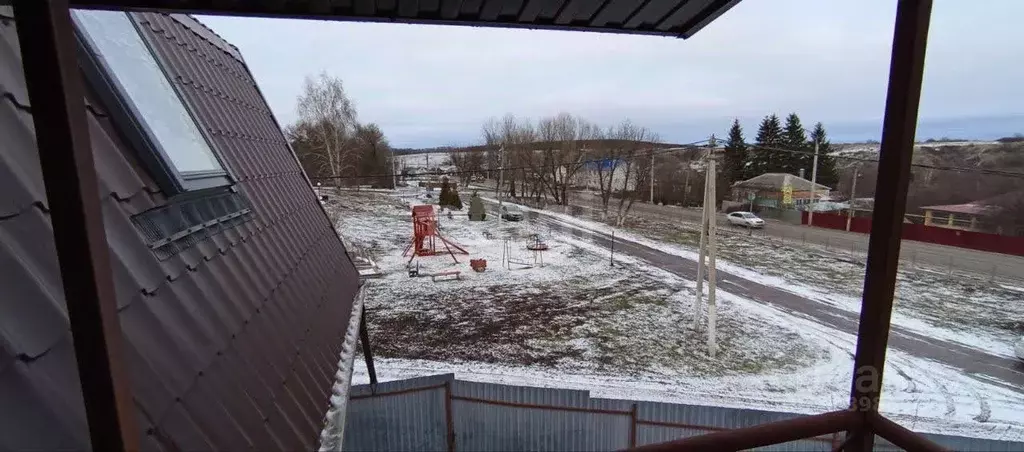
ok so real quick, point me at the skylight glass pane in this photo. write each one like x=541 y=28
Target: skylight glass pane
x=114 y=38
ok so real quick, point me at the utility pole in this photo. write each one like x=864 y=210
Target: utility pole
x=712 y=248
x=697 y=304
x=853 y=196
x=814 y=183
x=501 y=178
x=652 y=176
x=394 y=171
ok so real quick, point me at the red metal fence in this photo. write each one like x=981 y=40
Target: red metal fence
x=930 y=234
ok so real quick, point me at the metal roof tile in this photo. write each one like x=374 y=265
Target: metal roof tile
x=33 y=317
x=21 y=183
x=41 y=422
x=238 y=321
x=184 y=431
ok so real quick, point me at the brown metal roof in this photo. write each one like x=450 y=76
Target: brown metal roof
x=230 y=344
x=681 y=18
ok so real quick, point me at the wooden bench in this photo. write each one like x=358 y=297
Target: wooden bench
x=455 y=273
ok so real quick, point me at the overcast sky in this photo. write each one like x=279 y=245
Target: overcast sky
x=827 y=60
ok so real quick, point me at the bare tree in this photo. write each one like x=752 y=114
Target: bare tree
x=468 y=161
x=635 y=151
x=374 y=154
x=327 y=122
x=563 y=155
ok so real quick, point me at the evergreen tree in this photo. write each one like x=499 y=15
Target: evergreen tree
x=476 y=208
x=735 y=155
x=444 y=198
x=763 y=159
x=827 y=173
x=795 y=140
x=454 y=201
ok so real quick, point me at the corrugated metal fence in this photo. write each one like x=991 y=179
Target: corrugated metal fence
x=440 y=413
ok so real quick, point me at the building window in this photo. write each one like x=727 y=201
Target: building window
x=151 y=114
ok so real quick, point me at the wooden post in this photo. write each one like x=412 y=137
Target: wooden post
x=54 y=82
x=906 y=71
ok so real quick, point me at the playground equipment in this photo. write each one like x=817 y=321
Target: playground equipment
x=508 y=258
x=537 y=244
x=425 y=235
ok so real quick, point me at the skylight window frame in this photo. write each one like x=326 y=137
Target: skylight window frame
x=130 y=124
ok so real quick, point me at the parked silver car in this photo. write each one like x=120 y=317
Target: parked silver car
x=511 y=213
x=745 y=219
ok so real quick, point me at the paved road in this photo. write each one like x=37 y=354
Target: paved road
x=1002 y=267
x=970 y=360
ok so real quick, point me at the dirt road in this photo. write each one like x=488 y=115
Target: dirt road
x=1009 y=371
x=1001 y=267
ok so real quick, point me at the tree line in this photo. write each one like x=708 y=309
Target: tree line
x=779 y=149
x=332 y=144
x=544 y=159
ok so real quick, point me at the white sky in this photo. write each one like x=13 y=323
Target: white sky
x=827 y=60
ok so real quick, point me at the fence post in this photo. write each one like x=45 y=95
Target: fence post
x=632 y=426
x=611 y=258
x=448 y=416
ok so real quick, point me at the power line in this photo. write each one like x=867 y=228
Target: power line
x=986 y=171
x=683 y=147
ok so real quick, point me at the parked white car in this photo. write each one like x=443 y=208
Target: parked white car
x=745 y=219
x=1018 y=349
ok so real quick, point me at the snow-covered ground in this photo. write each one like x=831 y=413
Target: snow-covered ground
x=971 y=311
x=625 y=331
x=425 y=160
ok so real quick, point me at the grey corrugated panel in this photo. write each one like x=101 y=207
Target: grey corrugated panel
x=960 y=443
x=412 y=421
x=401 y=385
x=706 y=415
x=490 y=427
x=528 y=428
x=651 y=434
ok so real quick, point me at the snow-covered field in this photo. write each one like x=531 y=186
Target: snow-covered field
x=425 y=160
x=969 y=310
x=625 y=331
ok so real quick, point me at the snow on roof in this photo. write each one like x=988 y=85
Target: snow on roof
x=774 y=181
x=986 y=207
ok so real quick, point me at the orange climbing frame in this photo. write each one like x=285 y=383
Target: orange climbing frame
x=425 y=235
